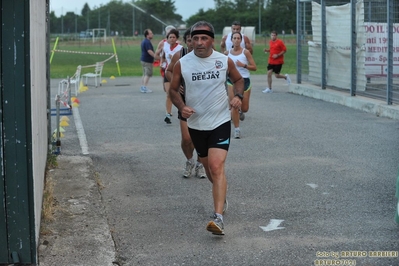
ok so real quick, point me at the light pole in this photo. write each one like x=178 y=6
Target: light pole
x=260 y=19
x=134 y=20
x=62 y=20
x=304 y=16
x=154 y=17
x=76 y=23
x=99 y=18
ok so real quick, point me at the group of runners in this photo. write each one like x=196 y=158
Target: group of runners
x=195 y=79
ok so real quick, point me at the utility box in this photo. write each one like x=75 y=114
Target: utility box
x=24 y=119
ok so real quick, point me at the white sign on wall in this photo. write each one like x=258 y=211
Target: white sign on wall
x=376 y=61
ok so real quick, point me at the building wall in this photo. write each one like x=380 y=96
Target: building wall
x=38 y=66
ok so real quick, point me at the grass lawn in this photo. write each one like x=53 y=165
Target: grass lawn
x=128 y=55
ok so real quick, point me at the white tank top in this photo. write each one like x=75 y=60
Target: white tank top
x=170 y=52
x=243 y=71
x=206 y=90
x=229 y=43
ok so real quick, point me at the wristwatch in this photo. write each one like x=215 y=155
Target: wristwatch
x=239 y=95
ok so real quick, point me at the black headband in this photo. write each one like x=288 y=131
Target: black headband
x=207 y=32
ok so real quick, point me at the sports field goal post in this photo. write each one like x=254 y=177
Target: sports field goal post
x=98 y=33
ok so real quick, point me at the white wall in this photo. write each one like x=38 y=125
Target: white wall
x=338 y=54
x=38 y=102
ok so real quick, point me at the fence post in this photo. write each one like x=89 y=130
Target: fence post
x=397 y=199
x=390 y=9
x=299 y=39
x=353 y=49
x=57 y=129
x=323 y=45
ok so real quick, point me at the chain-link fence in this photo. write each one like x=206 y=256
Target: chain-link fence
x=351 y=46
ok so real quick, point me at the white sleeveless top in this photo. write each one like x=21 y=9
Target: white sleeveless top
x=206 y=90
x=243 y=71
x=229 y=43
x=170 y=52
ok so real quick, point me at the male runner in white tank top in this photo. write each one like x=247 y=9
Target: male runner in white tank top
x=227 y=44
x=207 y=109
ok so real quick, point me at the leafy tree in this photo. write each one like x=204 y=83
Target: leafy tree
x=54 y=25
x=69 y=22
x=281 y=15
x=121 y=16
x=118 y=16
x=278 y=15
x=86 y=9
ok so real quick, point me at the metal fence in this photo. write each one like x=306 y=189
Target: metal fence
x=352 y=46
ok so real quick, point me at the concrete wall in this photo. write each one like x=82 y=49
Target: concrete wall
x=368 y=105
x=38 y=89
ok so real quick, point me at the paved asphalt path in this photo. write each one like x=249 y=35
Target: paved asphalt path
x=321 y=176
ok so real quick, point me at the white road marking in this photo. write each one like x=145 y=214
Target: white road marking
x=80 y=130
x=273 y=225
x=312 y=185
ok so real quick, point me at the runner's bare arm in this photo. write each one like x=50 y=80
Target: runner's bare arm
x=238 y=83
x=151 y=52
x=223 y=44
x=248 y=44
x=252 y=65
x=174 y=87
x=159 y=48
x=174 y=94
x=235 y=77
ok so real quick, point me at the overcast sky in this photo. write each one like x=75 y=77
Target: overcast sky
x=185 y=8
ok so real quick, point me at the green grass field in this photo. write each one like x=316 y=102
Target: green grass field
x=128 y=53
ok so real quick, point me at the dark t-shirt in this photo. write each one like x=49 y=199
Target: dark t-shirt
x=145 y=46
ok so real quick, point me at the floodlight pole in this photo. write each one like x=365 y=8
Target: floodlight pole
x=134 y=21
x=145 y=12
x=154 y=17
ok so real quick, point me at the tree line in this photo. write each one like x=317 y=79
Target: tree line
x=127 y=20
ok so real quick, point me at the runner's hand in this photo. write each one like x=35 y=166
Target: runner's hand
x=187 y=111
x=235 y=103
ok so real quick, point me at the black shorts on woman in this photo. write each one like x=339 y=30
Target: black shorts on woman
x=247 y=83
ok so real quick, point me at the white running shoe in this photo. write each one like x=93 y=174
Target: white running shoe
x=288 y=79
x=237 y=134
x=216 y=226
x=144 y=89
x=267 y=90
x=188 y=169
x=200 y=171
